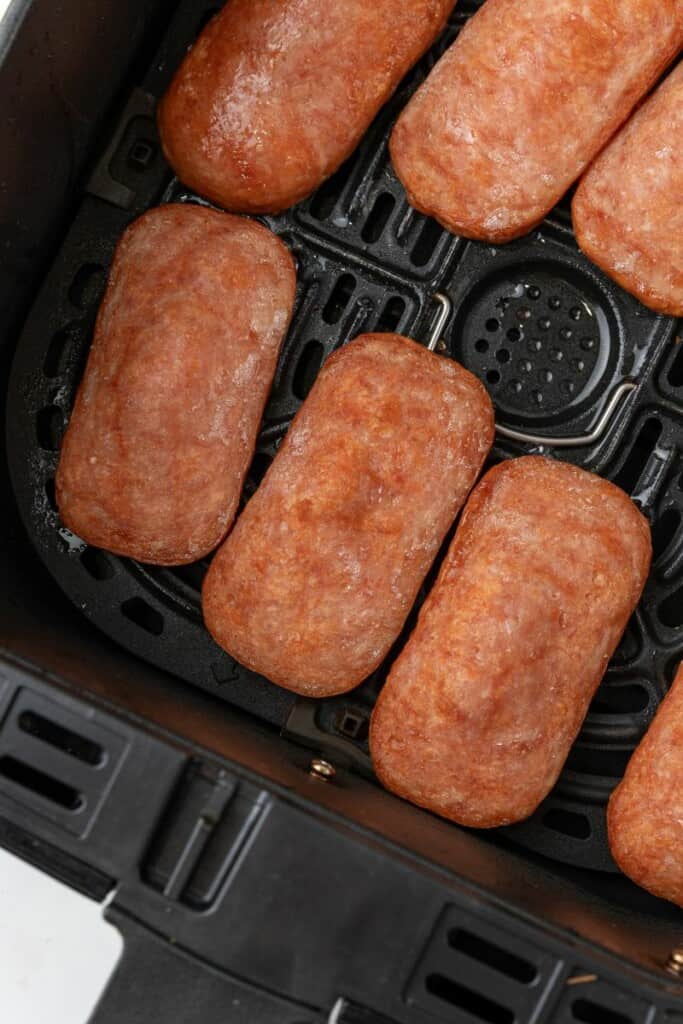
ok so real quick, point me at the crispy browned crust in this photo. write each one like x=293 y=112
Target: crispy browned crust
x=645 y=812
x=521 y=103
x=481 y=707
x=276 y=94
x=184 y=352
x=315 y=582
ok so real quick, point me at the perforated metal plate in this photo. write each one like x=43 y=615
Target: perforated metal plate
x=544 y=329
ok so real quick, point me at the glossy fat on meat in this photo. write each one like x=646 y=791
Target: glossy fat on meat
x=517 y=108
x=184 y=352
x=628 y=209
x=482 y=705
x=276 y=94
x=645 y=812
x=315 y=582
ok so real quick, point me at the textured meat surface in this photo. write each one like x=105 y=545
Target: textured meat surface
x=628 y=210
x=645 y=812
x=316 y=580
x=276 y=94
x=481 y=707
x=522 y=102
x=166 y=416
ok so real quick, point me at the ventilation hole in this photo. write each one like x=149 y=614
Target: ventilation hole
x=664 y=531
x=38 y=782
x=466 y=999
x=378 y=217
x=307 y=368
x=514 y=334
x=620 y=700
x=50 y=494
x=607 y=763
x=492 y=325
x=589 y=1012
x=426 y=243
x=487 y=953
x=323 y=202
x=390 y=317
x=481 y=345
x=58 y=736
x=675 y=374
x=524 y=313
x=57 y=353
x=86 y=287
x=629 y=645
x=143 y=615
x=533 y=292
x=567 y=823
x=493 y=376
x=671 y=610
x=630 y=473
x=554 y=302
x=97 y=564
x=49 y=428
x=259 y=467
x=206 y=17
x=502 y=355
x=339 y=299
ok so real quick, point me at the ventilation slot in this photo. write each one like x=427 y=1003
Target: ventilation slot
x=390 y=317
x=477 y=1005
x=43 y=785
x=592 y=1013
x=629 y=645
x=57 y=354
x=671 y=611
x=143 y=615
x=97 y=564
x=632 y=469
x=664 y=531
x=606 y=763
x=493 y=956
x=49 y=428
x=307 y=368
x=325 y=199
x=426 y=243
x=64 y=739
x=87 y=286
x=620 y=700
x=675 y=375
x=379 y=215
x=339 y=299
x=567 y=823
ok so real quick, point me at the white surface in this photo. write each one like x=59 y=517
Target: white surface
x=56 y=951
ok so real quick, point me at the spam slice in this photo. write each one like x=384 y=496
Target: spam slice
x=628 y=209
x=185 y=348
x=276 y=94
x=482 y=705
x=315 y=582
x=517 y=108
x=645 y=812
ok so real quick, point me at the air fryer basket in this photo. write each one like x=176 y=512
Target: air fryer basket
x=550 y=336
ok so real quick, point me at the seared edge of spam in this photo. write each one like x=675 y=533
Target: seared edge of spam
x=645 y=811
x=639 y=243
x=155 y=309
x=331 y=653
x=418 y=724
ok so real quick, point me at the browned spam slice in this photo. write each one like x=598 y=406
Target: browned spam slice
x=520 y=104
x=275 y=94
x=645 y=812
x=481 y=707
x=628 y=209
x=315 y=582
x=184 y=352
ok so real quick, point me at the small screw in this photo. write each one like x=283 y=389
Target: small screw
x=674 y=964
x=321 y=769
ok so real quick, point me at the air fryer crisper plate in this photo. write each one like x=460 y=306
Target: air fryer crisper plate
x=550 y=336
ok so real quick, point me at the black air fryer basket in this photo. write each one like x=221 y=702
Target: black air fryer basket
x=308 y=899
